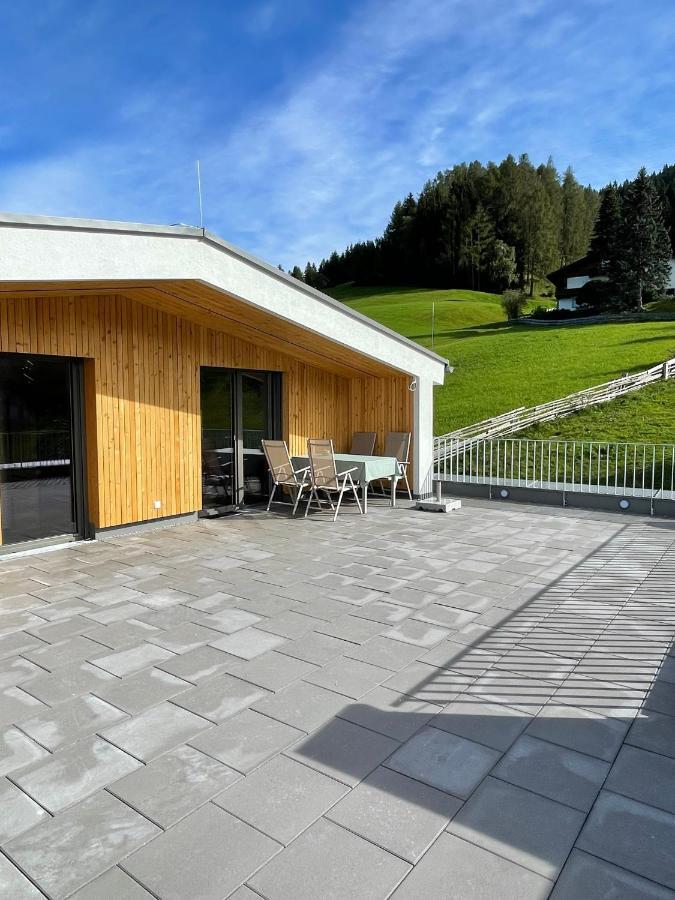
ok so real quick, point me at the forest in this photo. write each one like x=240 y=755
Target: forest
x=483 y=227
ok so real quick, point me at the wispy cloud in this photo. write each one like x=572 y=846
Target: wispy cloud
x=397 y=90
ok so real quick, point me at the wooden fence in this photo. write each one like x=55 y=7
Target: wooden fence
x=518 y=419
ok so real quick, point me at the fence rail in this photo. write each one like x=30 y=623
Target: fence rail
x=591 y=467
x=518 y=419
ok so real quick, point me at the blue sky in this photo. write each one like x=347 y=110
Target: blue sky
x=312 y=118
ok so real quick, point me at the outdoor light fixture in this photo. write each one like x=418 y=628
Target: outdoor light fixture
x=504 y=494
x=624 y=504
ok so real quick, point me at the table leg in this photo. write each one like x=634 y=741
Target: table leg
x=365 y=498
x=394 y=482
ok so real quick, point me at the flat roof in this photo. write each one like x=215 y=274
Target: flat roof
x=195 y=233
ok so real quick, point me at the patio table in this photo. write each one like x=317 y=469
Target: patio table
x=368 y=468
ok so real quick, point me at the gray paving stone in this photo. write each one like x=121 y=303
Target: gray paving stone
x=644 y=776
x=632 y=835
x=588 y=876
x=429 y=683
x=381 y=651
x=16 y=670
x=469 y=871
x=206 y=855
x=70 y=721
x=17 y=642
x=492 y=724
x=390 y=713
x=197 y=665
x=228 y=621
x=445 y=616
x=112 y=885
x=580 y=729
x=314 y=866
x=653 y=731
x=220 y=697
x=184 y=637
x=350 y=628
x=420 y=634
x=174 y=785
x=282 y=798
x=74 y=773
x=118 y=615
x=555 y=772
x=14 y=883
x=70 y=681
x=384 y=612
x=155 y=731
x=396 y=813
x=133 y=659
x=291 y=624
x=272 y=671
x=139 y=692
x=518 y=691
x=19 y=812
x=16 y=705
x=460 y=658
x=248 y=643
x=521 y=826
x=343 y=750
x=445 y=761
x=349 y=677
x=317 y=648
x=17 y=750
x=302 y=705
x=246 y=740
x=64 y=853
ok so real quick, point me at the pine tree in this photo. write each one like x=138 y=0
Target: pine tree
x=573 y=236
x=310 y=274
x=605 y=240
x=296 y=272
x=642 y=266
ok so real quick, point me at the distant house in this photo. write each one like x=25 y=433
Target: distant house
x=569 y=279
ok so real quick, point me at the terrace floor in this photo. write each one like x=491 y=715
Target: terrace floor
x=472 y=705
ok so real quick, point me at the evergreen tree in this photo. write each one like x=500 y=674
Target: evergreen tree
x=310 y=274
x=573 y=225
x=642 y=266
x=605 y=240
x=296 y=272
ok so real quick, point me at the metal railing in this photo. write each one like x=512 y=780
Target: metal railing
x=590 y=467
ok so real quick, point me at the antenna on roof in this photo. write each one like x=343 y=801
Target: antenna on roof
x=199 y=191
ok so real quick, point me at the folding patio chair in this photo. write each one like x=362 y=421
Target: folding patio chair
x=397 y=443
x=282 y=471
x=324 y=476
x=363 y=443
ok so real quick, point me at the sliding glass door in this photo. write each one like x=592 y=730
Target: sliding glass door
x=41 y=479
x=239 y=409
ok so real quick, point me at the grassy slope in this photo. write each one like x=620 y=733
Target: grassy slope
x=501 y=366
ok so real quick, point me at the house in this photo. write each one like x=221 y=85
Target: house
x=569 y=279
x=130 y=354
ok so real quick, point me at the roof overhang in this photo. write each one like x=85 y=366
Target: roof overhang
x=41 y=253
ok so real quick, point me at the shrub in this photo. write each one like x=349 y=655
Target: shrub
x=513 y=304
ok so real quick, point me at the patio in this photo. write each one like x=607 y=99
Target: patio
x=465 y=706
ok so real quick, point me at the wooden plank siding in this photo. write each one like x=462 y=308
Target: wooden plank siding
x=142 y=403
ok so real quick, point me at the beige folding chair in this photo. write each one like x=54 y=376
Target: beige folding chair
x=397 y=443
x=363 y=443
x=282 y=471
x=324 y=476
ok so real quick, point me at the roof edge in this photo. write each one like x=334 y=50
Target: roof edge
x=21 y=220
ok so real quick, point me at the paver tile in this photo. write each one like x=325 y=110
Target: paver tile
x=74 y=773
x=220 y=697
x=16 y=670
x=349 y=677
x=19 y=812
x=112 y=885
x=644 y=776
x=492 y=724
x=314 y=866
x=302 y=705
x=390 y=713
x=555 y=772
x=580 y=729
x=228 y=621
x=472 y=872
x=444 y=761
x=133 y=659
x=521 y=826
x=588 y=876
x=632 y=835
x=429 y=683
x=207 y=855
x=282 y=798
x=70 y=721
x=381 y=651
x=173 y=785
x=66 y=852
x=14 y=884
x=17 y=750
x=70 y=681
x=421 y=634
x=653 y=731
x=317 y=648
x=396 y=813
x=16 y=705
x=197 y=665
x=153 y=732
x=139 y=692
x=272 y=670
x=246 y=740
x=248 y=643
